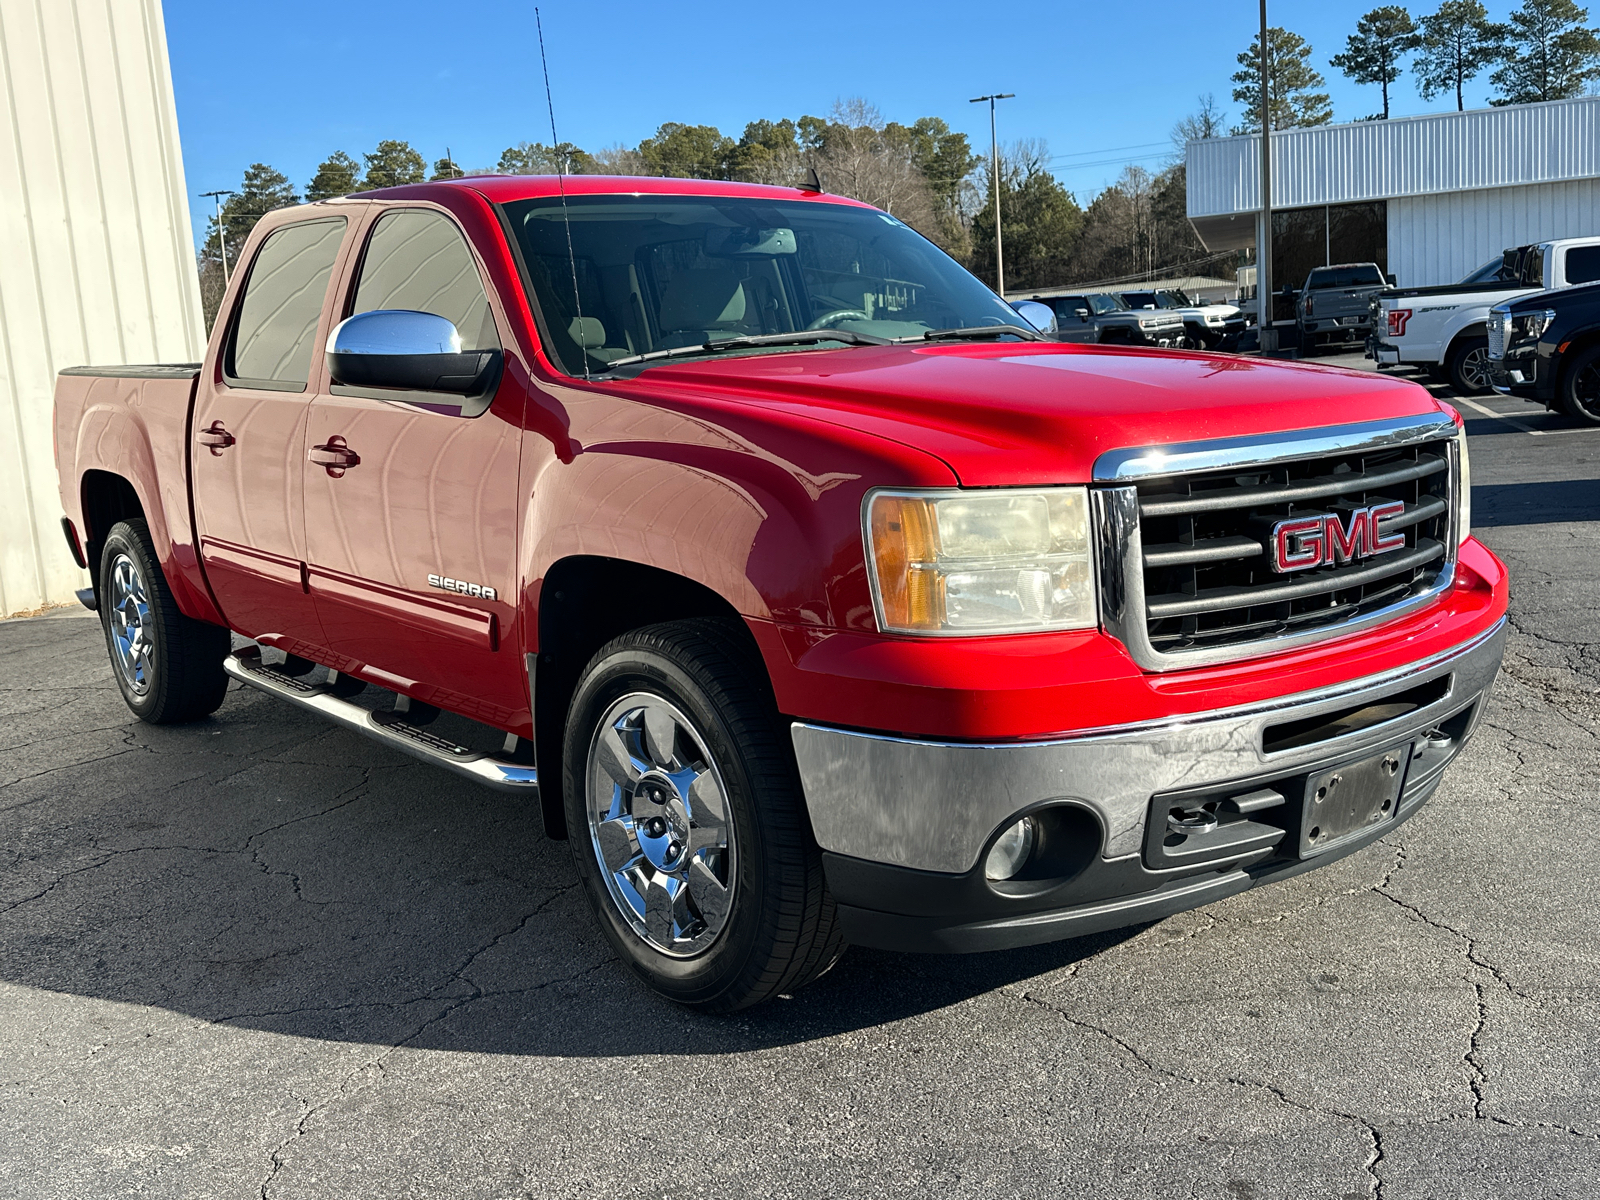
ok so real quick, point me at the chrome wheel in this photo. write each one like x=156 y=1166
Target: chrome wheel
x=660 y=825
x=132 y=627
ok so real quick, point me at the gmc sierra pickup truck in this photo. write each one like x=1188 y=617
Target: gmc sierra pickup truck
x=1445 y=328
x=758 y=545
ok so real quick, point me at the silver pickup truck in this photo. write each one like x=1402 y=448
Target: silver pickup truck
x=1335 y=303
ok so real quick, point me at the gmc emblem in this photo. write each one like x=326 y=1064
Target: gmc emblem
x=1301 y=543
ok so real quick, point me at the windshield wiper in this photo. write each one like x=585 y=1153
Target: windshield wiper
x=973 y=333
x=800 y=337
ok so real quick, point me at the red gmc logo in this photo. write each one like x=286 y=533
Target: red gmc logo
x=1301 y=543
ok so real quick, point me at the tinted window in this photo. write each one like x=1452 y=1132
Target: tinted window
x=418 y=260
x=1102 y=303
x=1140 y=300
x=1533 y=267
x=272 y=339
x=1583 y=264
x=1345 y=277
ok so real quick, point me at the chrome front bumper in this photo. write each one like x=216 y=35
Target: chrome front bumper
x=935 y=806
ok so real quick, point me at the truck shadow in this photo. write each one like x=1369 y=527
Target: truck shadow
x=263 y=871
x=1535 y=503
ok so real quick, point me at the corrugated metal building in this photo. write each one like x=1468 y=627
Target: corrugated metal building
x=1429 y=198
x=96 y=263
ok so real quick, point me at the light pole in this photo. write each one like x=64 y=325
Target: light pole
x=994 y=173
x=1266 y=339
x=216 y=198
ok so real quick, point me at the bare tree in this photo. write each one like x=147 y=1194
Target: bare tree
x=1207 y=121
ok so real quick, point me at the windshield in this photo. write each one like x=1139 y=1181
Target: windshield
x=1174 y=299
x=1103 y=302
x=1491 y=272
x=1141 y=300
x=1360 y=275
x=653 y=273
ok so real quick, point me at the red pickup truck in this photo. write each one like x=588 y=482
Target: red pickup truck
x=812 y=593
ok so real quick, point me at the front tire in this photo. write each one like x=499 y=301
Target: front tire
x=168 y=666
x=689 y=831
x=1580 y=387
x=1469 y=367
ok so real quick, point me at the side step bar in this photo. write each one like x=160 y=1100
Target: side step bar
x=389 y=728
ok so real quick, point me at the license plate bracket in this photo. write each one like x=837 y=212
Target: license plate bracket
x=1346 y=801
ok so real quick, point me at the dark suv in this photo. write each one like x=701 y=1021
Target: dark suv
x=1102 y=317
x=1546 y=348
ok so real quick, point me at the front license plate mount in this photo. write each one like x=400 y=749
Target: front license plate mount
x=1346 y=801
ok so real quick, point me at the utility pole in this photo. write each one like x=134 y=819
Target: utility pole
x=1266 y=338
x=994 y=173
x=222 y=244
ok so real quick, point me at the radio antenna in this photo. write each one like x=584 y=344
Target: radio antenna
x=561 y=183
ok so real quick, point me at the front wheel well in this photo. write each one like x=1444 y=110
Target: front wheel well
x=584 y=602
x=1576 y=345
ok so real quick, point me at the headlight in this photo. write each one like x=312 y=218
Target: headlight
x=1464 y=485
x=1213 y=319
x=1009 y=560
x=1532 y=325
x=1143 y=324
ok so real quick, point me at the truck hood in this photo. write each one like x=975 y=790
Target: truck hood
x=1037 y=413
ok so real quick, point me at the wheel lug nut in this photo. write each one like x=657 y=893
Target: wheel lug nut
x=672 y=850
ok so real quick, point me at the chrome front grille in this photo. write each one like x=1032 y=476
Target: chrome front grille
x=1185 y=551
x=1497 y=334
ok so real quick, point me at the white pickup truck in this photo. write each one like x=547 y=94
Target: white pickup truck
x=1444 y=328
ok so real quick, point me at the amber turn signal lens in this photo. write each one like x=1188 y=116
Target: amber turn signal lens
x=903 y=550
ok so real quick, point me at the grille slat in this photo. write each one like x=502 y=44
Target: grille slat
x=1314 y=584
x=1312 y=489
x=1207 y=581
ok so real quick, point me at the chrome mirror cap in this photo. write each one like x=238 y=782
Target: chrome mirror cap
x=1041 y=316
x=394 y=331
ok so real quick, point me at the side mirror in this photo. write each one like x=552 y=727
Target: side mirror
x=1390 y=280
x=414 y=351
x=1041 y=316
x=1081 y=313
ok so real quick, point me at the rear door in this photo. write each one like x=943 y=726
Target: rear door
x=249 y=432
x=411 y=548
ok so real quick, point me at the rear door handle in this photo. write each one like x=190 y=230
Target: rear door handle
x=215 y=438
x=334 y=456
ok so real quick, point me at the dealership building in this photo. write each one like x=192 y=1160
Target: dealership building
x=1429 y=198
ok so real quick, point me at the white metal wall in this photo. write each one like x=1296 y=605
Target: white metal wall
x=96 y=264
x=1438 y=239
x=1407 y=156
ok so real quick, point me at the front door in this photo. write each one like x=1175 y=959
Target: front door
x=1074 y=321
x=411 y=497
x=249 y=429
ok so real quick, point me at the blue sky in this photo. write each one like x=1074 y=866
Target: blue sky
x=1102 y=88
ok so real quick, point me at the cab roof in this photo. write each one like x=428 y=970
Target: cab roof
x=500 y=189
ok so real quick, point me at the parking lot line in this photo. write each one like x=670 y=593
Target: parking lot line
x=1529 y=429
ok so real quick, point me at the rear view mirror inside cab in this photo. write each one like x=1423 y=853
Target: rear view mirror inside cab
x=749 y=243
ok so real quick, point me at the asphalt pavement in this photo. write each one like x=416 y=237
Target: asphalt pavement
x=259 y=956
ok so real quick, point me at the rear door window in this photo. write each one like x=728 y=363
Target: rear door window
x=1583 y=264
x=418 y=260
x=277 y=323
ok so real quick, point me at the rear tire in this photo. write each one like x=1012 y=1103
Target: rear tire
x=1469 y=366
x=689 y=829
x=1580 y=386
x=168 y=666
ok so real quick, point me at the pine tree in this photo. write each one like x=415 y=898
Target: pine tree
x=1458 y=42
x=1550 y=55
x=1372 y=53
x=337 y=175
x=1291 y=80
x=445 y=168
x=393 y=164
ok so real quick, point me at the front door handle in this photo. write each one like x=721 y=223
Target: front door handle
x=334 y=456
x=215 y=438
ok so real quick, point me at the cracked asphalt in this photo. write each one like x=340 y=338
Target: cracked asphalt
x=258 y=956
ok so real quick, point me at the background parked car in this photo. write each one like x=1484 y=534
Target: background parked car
x=1546 y=348
x=1335 y=303
x=1205 y=325
x=1101 y=317
x=1444 y=328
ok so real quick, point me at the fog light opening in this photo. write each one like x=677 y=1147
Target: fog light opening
x=1011 y=850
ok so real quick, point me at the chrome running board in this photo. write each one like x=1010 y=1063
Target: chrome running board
x=389 y=728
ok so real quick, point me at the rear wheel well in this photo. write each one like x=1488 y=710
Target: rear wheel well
x=584 y=602
x=1466 y=333
x=107 y=499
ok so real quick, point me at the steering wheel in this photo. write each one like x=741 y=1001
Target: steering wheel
x=830 y=319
